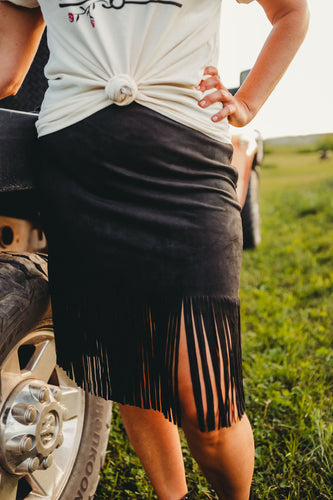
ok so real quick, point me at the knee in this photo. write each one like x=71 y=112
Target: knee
x=208 y=447
x=198 y=424
x=204 y=445
x=207 y=420
x=189 y=414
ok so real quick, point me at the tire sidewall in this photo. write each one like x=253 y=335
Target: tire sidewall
x=25 y=309
x=90 y=458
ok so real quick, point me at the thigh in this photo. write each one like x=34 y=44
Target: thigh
x=210 y=370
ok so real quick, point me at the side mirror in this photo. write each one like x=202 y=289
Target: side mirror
x=242 y=78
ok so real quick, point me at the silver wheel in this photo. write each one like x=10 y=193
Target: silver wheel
x=53 y=436
x=42 y=414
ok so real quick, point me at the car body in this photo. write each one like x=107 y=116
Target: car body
x=247 y=158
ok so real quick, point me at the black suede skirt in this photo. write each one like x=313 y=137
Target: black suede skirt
x=144 y=234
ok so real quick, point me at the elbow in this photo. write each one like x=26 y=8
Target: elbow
x=9 y=88
x=300 y=20
x=297 y=14
x=296 y=19
x=306 y=19
x=303 y=15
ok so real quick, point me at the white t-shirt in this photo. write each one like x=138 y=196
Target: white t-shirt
x=116 y=51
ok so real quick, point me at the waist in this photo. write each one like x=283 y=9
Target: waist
x=73 y=99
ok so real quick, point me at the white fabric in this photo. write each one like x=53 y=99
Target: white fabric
x=121 y=89
x=117 y=51
x=27 y=3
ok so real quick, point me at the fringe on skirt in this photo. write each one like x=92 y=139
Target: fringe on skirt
x=136 y=362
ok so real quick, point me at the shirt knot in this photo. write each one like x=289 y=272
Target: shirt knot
x=121 y=89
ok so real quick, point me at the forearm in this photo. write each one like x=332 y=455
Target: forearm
x=288 y=32
x=20 y=33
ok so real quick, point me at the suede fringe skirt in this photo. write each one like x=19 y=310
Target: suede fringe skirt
x=144 y=234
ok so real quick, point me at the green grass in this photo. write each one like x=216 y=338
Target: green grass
x=287 y=308
x=287 y=292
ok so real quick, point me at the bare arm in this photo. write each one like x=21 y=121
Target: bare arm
x=289 y=19
x=20 y=32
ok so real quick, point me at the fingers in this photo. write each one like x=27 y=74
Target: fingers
x=227 y=111
x=217 y=96
x=221 y=94
x=211 y=70
x=210 y=83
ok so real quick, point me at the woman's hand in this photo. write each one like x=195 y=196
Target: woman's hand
x=289 y=19
x=234 y=109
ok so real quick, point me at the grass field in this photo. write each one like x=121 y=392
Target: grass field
x=287 y=307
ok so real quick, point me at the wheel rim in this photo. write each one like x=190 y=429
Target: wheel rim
x=41 y=421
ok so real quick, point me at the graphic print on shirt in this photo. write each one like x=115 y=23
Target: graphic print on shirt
x=85 y=7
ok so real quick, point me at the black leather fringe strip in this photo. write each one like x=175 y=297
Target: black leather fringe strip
x=127 y=350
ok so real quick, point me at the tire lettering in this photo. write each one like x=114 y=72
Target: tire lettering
x=98 y=424
x=89 y=468
x=79 y=496
x=100 y=409
x=84 y=484
x=96 y=439
x=93 y=454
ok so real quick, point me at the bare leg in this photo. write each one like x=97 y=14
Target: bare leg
x=225 y=456
x=156 y=442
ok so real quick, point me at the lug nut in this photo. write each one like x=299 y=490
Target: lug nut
x=29 y=465
x=47 y=462
x=57 y=393
x=40 y=392
x=24 y=414
x=33 y=464
x=19 y=445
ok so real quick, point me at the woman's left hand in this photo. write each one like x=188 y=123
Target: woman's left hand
x=234 y=109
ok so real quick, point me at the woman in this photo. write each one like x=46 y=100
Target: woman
x=136 y=181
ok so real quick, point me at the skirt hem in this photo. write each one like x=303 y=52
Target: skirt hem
x=138 y=363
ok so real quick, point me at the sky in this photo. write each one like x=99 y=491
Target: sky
x=302 y=103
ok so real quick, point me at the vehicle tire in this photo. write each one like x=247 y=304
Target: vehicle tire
x=251 y=213
x=53 y=436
